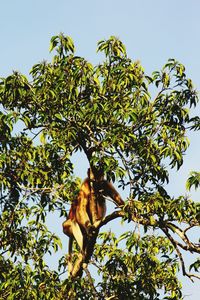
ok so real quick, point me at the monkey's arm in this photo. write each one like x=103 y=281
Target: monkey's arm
x=110 y=191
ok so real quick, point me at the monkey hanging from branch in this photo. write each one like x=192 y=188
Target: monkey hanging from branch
x=85 y=216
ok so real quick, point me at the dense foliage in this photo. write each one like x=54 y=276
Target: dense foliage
x=107 y=112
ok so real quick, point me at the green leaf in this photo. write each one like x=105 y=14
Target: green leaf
x=53 y=43
x=43 y=138
x=59 y=116
x=193 y=180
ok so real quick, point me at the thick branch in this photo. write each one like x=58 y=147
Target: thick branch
x=113 y=216
x=121 y=214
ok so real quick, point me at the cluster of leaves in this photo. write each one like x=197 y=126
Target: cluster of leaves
x=139 y=270
x=107 y=112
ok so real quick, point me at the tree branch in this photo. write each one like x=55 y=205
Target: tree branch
x=176 y=244
x=95 y=293
x=189 y=246
x=164 y=226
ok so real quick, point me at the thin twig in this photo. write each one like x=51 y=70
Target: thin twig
x=175 y=244
x=95 y=293
x=189 y=246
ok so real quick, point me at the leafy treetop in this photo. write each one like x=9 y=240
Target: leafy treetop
x=107 y=112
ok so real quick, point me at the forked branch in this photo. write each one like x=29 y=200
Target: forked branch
x=166 y=227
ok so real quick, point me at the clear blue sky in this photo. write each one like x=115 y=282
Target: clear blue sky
x=152 y=31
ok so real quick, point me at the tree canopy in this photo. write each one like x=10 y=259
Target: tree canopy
x=134 y=126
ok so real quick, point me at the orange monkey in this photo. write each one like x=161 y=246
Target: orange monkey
x=89 y=208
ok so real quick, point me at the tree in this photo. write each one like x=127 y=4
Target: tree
x=106 y=112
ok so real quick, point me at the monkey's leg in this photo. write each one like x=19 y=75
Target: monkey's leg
x=78 y=266
x=82 y=216
x=70 y=266
x=77 y=233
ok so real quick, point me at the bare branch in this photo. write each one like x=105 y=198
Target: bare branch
x=190 y=227
x=95 y=293
x=113 y=216
x=121 y=214
x=176 y=244
x=189 y=246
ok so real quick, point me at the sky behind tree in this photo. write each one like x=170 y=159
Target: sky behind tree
x=152 y=32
